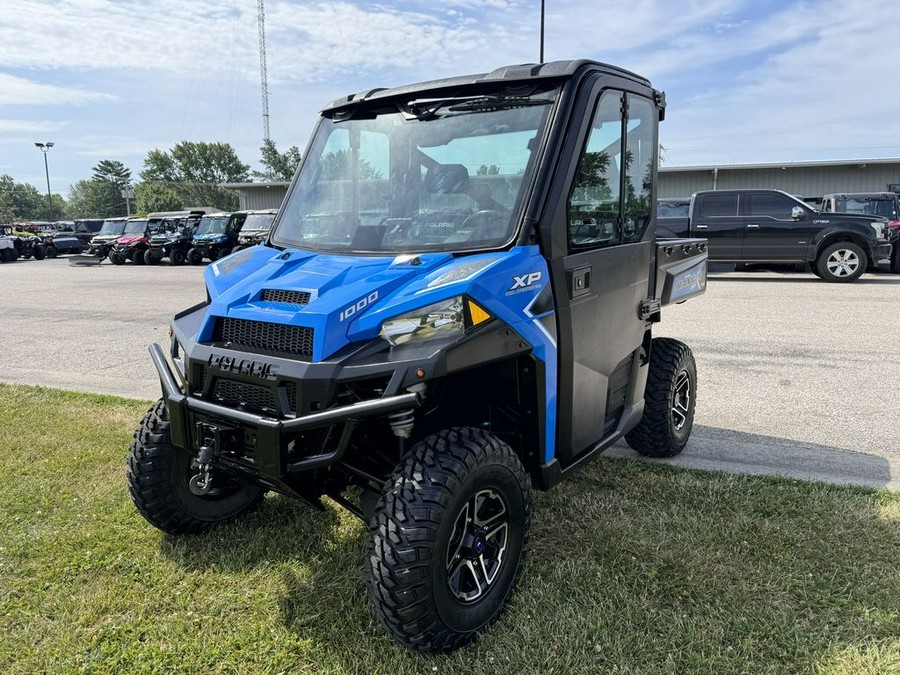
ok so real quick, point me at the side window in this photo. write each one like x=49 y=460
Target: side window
x=640 y=150
x=774 y=206
x=593 y=208
x=716 y=206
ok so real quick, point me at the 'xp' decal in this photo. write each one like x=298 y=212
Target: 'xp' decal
x=359 y=306
x=526 y=282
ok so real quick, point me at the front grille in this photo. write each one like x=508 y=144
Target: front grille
x=274 y=337
x=287 y=297
x=253 y=396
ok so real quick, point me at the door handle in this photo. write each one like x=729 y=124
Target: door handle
x=752 y=225
x=701 y=227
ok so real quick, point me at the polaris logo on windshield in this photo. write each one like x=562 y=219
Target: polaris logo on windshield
x=359 y=306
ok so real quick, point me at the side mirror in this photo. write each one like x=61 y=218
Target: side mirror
x=798 y=213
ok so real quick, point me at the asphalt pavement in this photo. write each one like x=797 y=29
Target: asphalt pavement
x=796 y=377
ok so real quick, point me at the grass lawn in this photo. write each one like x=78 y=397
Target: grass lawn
x=632 y=568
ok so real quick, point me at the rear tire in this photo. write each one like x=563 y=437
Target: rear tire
x=669 y=401
x=447 y=539
x=842 y=262
x=158 y=476
x=39 y=252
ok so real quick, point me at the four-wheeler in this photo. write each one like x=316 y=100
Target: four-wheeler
x=133 y=243
x=59 y=243
x=173 y=238
x=104 y=241
x=255 y=228
x=27 y=243
x=7 y=249
x=423 y=341
x=216 y=236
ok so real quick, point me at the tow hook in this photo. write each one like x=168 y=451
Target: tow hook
x=201 y=482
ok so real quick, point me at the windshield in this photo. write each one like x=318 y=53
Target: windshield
x=872 y=206
x=442 y=174
x=135 y=227
x=212 y=225
x=112 y=227
x=258 y=221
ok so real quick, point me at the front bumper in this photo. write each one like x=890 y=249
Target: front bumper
x=260 y=443
x=881 y=251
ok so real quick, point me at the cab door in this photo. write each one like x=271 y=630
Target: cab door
x=600 y=262
x=715 y=216
x=771 y=230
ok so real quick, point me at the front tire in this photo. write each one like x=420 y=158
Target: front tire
x=150 y=258
x=842 y=262
x=51 y=251
x=39 y=252
x=177 y=257
x=448 y=539
x=158 y=477
x=194 y=257
x=895 y=258
x=116 y=258
x=669 y=401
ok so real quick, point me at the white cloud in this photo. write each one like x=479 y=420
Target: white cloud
x=27 y=126
x=19 y=91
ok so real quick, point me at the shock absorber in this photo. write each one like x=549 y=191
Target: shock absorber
x=402 y=422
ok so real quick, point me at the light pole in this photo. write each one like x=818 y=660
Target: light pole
x=45 y=148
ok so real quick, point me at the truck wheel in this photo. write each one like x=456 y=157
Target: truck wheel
x=39 y=252
x=842 y=262
x=137 y=257
x=158 y=478
x=115 y=258
x=669 y=401
x=177 y=257
x=51 y=251
x=194 y=257
x=447 y=539
x=149 y=258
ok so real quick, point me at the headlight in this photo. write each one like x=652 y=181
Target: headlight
x=445 y=319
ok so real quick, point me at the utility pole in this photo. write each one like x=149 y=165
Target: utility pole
x=263 y=76
x=45 y=148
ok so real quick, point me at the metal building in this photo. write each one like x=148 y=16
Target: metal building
x=810 y=180
x=253 y=196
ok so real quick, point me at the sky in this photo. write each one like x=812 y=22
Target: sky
x=745 y=80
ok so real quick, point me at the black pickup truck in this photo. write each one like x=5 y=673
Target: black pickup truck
x=771 y=226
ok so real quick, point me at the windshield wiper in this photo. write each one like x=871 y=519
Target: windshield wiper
x=427 y=108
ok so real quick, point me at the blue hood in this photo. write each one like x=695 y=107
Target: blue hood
x=349 y=296
x=210 y=236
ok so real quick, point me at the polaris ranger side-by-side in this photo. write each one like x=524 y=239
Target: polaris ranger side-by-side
x=454 y=305
x=216 y=236
x=255 y=229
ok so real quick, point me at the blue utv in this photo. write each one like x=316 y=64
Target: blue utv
x=454 y=305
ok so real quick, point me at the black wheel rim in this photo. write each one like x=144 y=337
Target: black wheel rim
x=681 y=400
x=477 y=547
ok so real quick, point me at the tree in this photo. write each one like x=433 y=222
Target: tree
x=112 y=171
x=279 y=166
x=336 y=166
x=485 y=170
x=195 y=171
x=150 y=197
x=20 y=201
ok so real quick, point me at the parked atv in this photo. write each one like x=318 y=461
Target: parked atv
x=216 y=236
x=133 y=243
x=256 y=228
x=59 y=243
x=7 y=249
x=173 y=240
x=27 y=243
x=438 y=339
x=105 y=240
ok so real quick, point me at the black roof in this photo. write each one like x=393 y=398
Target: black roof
x=516 y=73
